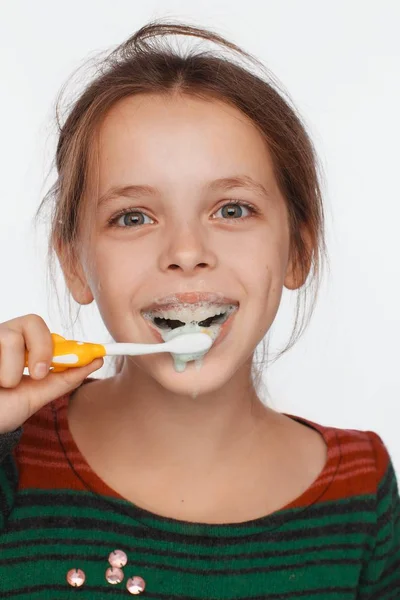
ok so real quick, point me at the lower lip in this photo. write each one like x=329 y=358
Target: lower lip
x=223 y=332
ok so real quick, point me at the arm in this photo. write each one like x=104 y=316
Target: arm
x=380 y=577
x=8 y=473
x=8 y=441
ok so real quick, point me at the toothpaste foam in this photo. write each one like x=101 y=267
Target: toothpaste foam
x=180 y=360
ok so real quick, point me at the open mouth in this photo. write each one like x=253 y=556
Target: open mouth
x=174 y=323
x=203 y=317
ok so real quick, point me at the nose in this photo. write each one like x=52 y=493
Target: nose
x=188 y=249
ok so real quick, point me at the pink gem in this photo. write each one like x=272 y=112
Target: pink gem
x=135 y=585
x=118 y=558
x=76 y=577
x=114 y=575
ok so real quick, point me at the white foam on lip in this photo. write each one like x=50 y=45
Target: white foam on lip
x=193 y=313
x=177 y=302
x=180 y=360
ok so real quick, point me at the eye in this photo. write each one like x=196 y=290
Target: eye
x=134 y=221
x=234 y=210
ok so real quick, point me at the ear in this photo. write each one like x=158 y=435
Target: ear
x=75 y=279
x=294 y=278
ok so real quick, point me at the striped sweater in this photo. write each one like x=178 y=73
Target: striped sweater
x=339 y=540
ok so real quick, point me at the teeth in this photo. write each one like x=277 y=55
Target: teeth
x=187 y=314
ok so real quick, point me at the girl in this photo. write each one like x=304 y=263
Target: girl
x=187 y=190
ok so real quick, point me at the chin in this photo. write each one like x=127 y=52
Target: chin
x=205 y=379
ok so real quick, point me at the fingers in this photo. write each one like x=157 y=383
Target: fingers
x=31 y=333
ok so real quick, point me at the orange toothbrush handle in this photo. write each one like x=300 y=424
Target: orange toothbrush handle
x=70 y=353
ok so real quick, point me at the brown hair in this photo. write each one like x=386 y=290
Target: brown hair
x=145 y=64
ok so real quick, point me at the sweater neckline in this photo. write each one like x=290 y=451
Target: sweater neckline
x=297 y=508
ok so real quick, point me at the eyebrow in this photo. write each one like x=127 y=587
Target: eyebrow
x=224 y=183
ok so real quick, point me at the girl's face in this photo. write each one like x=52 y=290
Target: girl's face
x=178 y=237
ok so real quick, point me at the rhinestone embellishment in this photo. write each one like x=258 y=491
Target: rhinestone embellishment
x=118 y=558
x=135 y=585
x=114 y=575
x=76 y=577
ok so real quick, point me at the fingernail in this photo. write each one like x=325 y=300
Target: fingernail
x=40 y=369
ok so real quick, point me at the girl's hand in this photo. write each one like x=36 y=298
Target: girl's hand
x=23 y=395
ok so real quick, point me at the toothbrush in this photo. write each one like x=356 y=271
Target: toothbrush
x=70 y=353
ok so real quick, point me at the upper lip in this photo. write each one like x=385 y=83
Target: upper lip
x=174 y=300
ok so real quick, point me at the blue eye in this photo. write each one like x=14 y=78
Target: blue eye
x=136 y=220
x=235 y=207
x=233 y=213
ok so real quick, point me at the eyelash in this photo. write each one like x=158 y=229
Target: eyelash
x=112 y=222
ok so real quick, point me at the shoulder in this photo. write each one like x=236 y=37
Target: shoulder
x=370 y=449
x=364 y=456
x=39 y=442
x=358 y=459
x=381 y=454
x=39 y=451
x=40 y=429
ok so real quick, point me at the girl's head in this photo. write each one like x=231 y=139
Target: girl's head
x=217 y=180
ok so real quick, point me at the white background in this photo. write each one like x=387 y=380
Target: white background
x=340 y=63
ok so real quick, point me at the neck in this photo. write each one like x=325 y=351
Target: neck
x=140 y=418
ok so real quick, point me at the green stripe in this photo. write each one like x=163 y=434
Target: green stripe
x=297 y=518
x=166 y=581
x=319 y=553
x=179 y=556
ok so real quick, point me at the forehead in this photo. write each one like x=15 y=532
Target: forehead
x=200 y=136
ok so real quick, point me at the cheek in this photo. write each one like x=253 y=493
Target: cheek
x=118 y=280
x=257 y=267
x=119 y=270
x=264 y=276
